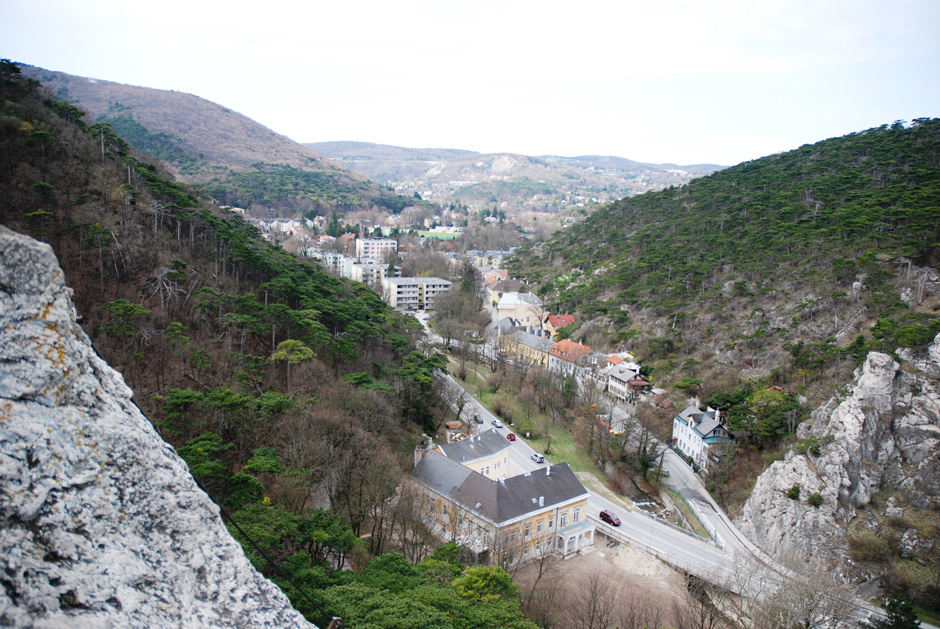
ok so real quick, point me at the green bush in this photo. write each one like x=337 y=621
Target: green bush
x=794 y=493
x=815 y=500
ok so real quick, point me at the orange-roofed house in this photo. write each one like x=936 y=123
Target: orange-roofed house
x=554 y=322
x=565 y=357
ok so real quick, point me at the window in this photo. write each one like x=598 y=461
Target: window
x=526 y=530
x=577 y=514
x=538 y=547
x=538 y=527
x=551 y=523
x=564 y=519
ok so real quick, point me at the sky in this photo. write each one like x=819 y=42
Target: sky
x=659 y=81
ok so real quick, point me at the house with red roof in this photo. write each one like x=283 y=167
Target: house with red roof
x=552 y=323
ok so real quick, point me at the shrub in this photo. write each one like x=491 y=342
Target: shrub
x=815 y=500
x=794 y=493
x=867 y=546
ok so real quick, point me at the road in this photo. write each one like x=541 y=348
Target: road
x=674 y=546
x=714 y=562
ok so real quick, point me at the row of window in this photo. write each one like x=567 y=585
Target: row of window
x=562 y=521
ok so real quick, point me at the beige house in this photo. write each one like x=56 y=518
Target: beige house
x=486 y=453
x=525 y=347
x=495 y=290
x=503 y=521
x=552 y=324
x=525 y=308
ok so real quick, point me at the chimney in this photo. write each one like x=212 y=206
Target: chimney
x=502 y=481
x=548 y=470
x=541 y=501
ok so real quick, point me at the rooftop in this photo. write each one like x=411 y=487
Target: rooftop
x=569 y=350
x=498 y=501
x=479 y=446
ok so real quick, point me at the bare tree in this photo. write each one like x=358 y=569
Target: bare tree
x=636 y=611
x=812 y=595
x=409 y=531
x=542 y=567
x=594 y=603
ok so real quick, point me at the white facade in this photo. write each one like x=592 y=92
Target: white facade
x=368 y=270
x=413 y=293
x=374 y=247
x=694 y=431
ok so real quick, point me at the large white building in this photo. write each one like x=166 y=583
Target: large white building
x=413 y=293
x=367 y=270
x=375 y=247
x=695 y=431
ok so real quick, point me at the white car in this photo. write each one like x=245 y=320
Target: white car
x=497 y=423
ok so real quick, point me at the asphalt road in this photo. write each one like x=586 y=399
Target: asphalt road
x=674 y=546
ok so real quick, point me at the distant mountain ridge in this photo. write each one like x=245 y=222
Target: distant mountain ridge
x=206 y=144
x=547 y=182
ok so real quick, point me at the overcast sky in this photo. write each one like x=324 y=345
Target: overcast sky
x=655 y=81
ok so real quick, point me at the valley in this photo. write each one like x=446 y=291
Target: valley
x=589 y=301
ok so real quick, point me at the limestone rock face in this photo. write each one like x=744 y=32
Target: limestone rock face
x=883 y=436
x=101 y=524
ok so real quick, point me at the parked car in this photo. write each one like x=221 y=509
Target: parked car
x=538 y=458
x=511 y=437
x=477 y=419
x=497 y=423
x=664 y=473
x=610 y=518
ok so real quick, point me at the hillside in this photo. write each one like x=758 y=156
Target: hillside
x=509 y=181
x=237 y=160
x=785 y=270
x=152 y=551
x=296 y=398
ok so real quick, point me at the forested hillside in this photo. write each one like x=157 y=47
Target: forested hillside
x=236 y=160
x=295 y=397
x=781 y=271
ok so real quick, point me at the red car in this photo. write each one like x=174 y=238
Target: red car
x=511 y=437
x=610 y=518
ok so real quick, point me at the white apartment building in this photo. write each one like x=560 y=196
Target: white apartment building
x=413 y=293
x=374 y=247
x=366 y=270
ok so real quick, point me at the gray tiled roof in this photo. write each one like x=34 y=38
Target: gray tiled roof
x=495 y=500
x=705 y=421
x=540 y=343
x=485 y=444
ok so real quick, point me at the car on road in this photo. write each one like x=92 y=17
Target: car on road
x=497 y=423
x=477 y=419
x=538 y=458
x=511 y=437
x=610 y=518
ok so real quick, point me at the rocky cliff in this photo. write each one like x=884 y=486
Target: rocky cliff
x=101 y=524
x=871 y=457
